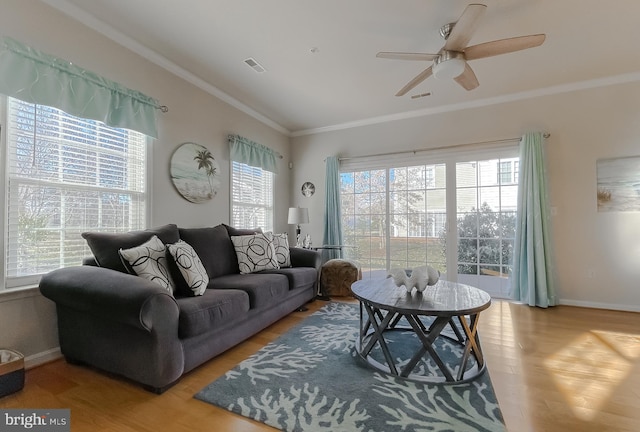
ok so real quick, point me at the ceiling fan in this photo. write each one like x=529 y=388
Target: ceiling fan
x=451 y=60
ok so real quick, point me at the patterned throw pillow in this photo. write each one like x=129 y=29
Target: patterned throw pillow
x=255 y=253
x=149 y=261
x=281 y=246
x=190 y=266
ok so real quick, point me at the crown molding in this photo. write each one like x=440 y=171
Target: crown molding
x=547 y=91
x=94 y=23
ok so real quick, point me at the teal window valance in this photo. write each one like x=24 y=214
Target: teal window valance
x=251 y=153
x=35 y=77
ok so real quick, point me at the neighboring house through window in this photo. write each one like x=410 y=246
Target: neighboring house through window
x=508 y=171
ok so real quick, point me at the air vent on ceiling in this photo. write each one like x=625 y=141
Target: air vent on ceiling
x=254 y=65
x=418 y=96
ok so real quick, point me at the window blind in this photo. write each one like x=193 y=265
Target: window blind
x=66 y=175
x=251 y=196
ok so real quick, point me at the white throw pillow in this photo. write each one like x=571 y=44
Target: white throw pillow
x=281 y=247
x=149 y=261
x=255 y=253
x=190 y=266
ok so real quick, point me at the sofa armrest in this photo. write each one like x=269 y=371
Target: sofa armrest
x=305 y=258
x=110 y=294
x=90 y=261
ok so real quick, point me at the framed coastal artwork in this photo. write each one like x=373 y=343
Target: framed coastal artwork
x=618 y=184
x=195 y=173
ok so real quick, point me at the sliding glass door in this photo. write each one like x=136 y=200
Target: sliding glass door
x=400 y=217
x=486 y=206
x=395 y=217
x=364 y=203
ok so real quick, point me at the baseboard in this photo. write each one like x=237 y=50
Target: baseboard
x=595 y=305
x=584 y=304
x=54 y=353
x=42 y=358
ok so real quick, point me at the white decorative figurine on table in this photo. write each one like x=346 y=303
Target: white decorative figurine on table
x=420 y=277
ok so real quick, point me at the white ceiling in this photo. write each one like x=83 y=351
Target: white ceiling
x=343 y=84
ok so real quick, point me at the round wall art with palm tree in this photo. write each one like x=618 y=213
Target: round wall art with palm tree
x=195 y=172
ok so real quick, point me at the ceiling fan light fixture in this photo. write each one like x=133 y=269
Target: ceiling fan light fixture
x=449 y=65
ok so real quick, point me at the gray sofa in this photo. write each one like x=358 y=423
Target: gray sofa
x=132 y=327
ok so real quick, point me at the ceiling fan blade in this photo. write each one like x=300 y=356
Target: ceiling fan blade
x=414 y=82
x=406 y=56
x=464 y=28
x=467 y=79
x=503 y=46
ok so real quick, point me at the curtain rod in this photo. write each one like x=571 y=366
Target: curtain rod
x=546 y=135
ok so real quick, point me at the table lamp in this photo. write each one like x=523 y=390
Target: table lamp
x=297 y=216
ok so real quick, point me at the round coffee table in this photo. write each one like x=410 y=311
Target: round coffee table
x=384 y=307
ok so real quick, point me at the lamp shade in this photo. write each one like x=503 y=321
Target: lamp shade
x=298 y=215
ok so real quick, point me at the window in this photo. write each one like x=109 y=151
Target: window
x=363 y=196
x=486 y=219
x=457 y=215
x=66 y=175
x=394 y=217
x=508 y=171
x=251 y=197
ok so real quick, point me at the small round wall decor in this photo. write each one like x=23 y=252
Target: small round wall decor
x=308 y=189
x=195 y=172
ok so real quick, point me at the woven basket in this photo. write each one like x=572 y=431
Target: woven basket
x=11 y=372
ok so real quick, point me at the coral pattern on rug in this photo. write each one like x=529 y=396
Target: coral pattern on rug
x=311 y=379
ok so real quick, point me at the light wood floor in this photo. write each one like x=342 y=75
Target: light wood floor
x=561 y=369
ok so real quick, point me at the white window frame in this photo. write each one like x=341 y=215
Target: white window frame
x=18 y=283
x=487 y=189
x=450 y=158
x=261 y=200
x=510 y=175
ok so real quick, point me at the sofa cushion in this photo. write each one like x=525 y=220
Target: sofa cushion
x=255 y=252
x=105 y=246
x=149 y=261
x=190 y=266
x=214 y=308
x=241 y=231
x=299 y=277
x=214 y=248
x=264 y=290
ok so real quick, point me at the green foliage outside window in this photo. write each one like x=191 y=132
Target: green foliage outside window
x=485 y=241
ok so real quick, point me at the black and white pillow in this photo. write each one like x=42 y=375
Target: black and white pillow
x=190 y=266
x=149 y=261
x=255 y=253
x=281 y=247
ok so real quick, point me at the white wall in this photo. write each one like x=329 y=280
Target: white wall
x=27 y=321
x=585 y=125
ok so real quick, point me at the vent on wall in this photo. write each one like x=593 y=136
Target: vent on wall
x=254 y=65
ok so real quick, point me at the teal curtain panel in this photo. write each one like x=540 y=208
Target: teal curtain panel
x=332 y=220
x=253 y=154
x=532 y=280
x=36 y=77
